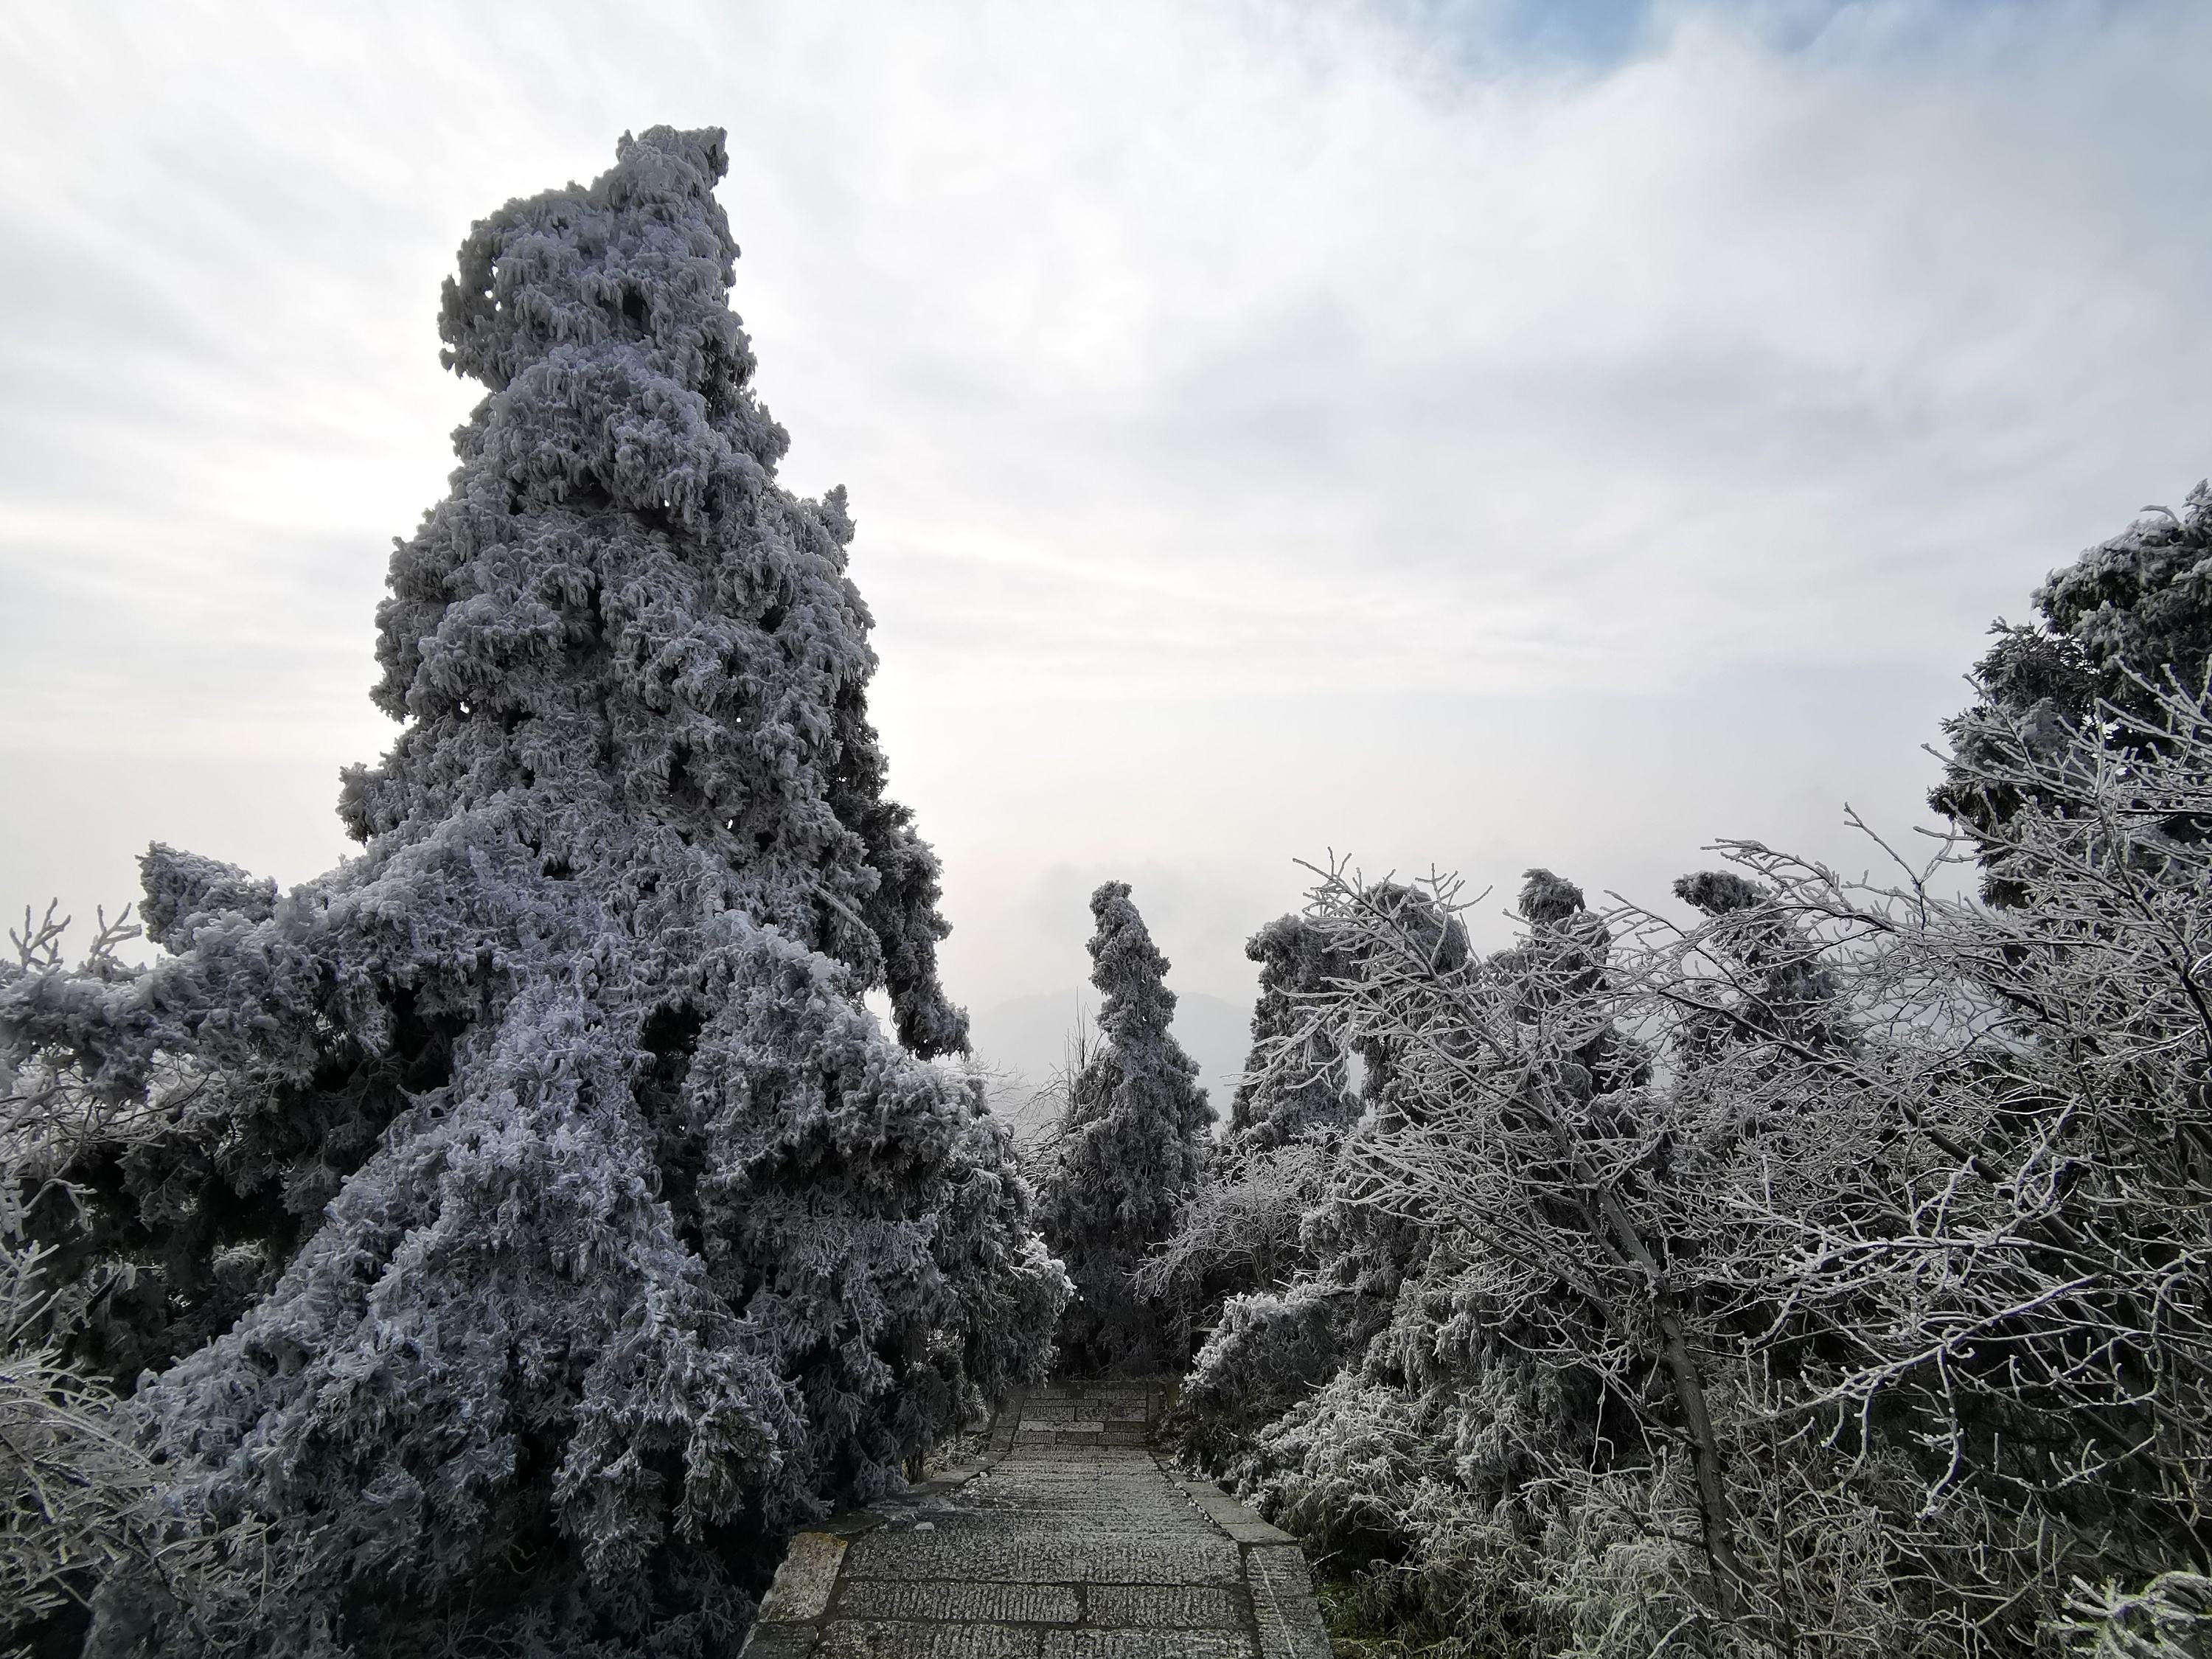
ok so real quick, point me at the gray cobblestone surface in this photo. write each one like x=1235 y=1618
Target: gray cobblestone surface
x=1071 y=1542
x=982 y=1604
x=1288 y=1622
x=1167 y=1607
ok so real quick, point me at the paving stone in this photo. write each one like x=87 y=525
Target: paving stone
x=1034 y=1524
x=1056 y=1558
x=1165 y=1607
x=803 y=1582
x=1145 y=1644
x=1283 y=1607
x=1067 y=1496
x=1078 y=1498
x=987 y=1604
x=1233 y=1517
x=1103 y=1488
x=1040 y=1522
x=780 y=1642
x=880 y=1638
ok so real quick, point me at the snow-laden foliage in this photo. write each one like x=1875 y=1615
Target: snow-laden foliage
x=1241 y=1228
x=1268 y=1256
x=1831 y=1275
x=1872 y=1324
x=1296 y=1080
x=2126 y=620
x=75 y=1485
x=79 y=1494
x=538 y=1226
x=1130 y=1149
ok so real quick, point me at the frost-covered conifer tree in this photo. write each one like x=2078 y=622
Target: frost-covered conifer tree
x=542 y=1225
x=1131 y=1150
x=2127 y=618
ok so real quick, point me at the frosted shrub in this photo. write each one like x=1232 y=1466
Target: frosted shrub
x=75 y=1484
x=1238 y=1230
x=549 y=1228
x=1241 y=1229
x=1998 y=1199
x=1267 y=1350
x=1372 y=1474
x=82 y=1493
x=1272 y=1255
x=1296 y=1082
x=2168 y=1618
x=1831 y=1276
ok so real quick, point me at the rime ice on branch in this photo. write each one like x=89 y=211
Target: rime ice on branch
x=581 y=1230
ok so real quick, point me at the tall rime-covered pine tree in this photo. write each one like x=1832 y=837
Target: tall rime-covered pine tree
x=1132 y=1147
x=542 y=1225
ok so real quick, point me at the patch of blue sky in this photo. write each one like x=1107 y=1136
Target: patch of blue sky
x=1598 y=33
x=1488 y=35
x=1479 y=36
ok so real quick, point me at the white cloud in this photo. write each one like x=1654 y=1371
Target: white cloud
x=1194 y=369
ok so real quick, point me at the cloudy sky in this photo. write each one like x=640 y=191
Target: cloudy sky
x=1472 y=435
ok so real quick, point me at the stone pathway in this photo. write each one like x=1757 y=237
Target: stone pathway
x=1067 y=1539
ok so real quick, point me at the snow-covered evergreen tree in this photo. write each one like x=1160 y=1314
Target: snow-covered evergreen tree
x=543 y=1226
x=2127 y=618
x=1132 y=1149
